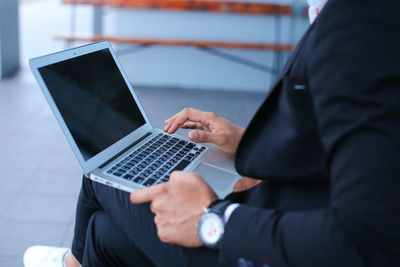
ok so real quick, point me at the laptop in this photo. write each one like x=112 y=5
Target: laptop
x=108 y=130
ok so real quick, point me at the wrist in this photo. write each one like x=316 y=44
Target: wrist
x=212 y=223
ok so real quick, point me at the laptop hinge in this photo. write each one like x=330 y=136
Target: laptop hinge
x=126 y=149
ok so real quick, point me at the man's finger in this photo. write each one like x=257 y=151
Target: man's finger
x=148 y=194
x=170 y=120
x=188 y=114
x=177 y=176
x=192 y=125
x=205 y=137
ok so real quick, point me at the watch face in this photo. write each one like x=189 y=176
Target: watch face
x=211 y=229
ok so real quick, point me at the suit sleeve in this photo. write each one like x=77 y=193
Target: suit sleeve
x=354 y=79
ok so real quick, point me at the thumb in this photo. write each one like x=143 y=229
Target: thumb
x=203 y=137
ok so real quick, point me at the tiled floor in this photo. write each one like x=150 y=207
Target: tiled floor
x=39 y=177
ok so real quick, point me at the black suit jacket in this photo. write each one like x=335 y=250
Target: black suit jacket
x=326 y=142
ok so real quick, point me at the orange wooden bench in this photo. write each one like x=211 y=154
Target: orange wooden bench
x=180 y=5
x=247 y=8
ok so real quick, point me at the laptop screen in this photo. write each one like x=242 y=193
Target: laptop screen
x=93 y=99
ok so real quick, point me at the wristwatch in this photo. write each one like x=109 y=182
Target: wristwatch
x=212 y=225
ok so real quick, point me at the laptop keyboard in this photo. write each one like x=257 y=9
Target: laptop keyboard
x=155 y=160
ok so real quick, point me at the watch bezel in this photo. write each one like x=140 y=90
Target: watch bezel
x=203 y=219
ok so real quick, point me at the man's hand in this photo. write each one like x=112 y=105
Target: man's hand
x=215 y=129
x=177 y=206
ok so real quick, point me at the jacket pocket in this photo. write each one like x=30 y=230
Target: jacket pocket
x=298 y=102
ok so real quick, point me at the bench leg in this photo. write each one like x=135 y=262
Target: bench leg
x=98 y=20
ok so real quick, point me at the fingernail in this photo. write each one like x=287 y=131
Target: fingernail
x=194 y=135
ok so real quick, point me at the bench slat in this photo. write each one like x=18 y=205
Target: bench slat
x=200 y=44
x=180 y=5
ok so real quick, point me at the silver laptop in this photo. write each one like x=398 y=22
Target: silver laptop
x=108 y=130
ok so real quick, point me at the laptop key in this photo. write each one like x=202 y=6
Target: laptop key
x=154 y=166
x=181 y=165
x=128 y=176
x=133 y=172
x=138 y=180
x=149 y=182
x=190 y=146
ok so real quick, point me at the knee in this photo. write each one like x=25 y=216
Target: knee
x=107 y=245
x=99 y=241
x=101 y=232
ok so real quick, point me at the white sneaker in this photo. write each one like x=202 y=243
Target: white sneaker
x=43 y=256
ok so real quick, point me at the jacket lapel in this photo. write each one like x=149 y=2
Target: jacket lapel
x=285 y=69
x=291 y=59
x=252 y=124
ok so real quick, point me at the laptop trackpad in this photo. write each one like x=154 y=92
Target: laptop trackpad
x=217 y=178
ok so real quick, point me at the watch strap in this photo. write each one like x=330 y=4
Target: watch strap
x=219 y=208
x=214 y=202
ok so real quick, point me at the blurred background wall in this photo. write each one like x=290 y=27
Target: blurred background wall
x=183 y=67
x=192 y=68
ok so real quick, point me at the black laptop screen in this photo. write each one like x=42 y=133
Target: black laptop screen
x=93 y=100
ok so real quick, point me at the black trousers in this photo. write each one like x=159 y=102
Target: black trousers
x=111 y=231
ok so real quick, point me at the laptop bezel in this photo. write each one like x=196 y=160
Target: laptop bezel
x=105 y=155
